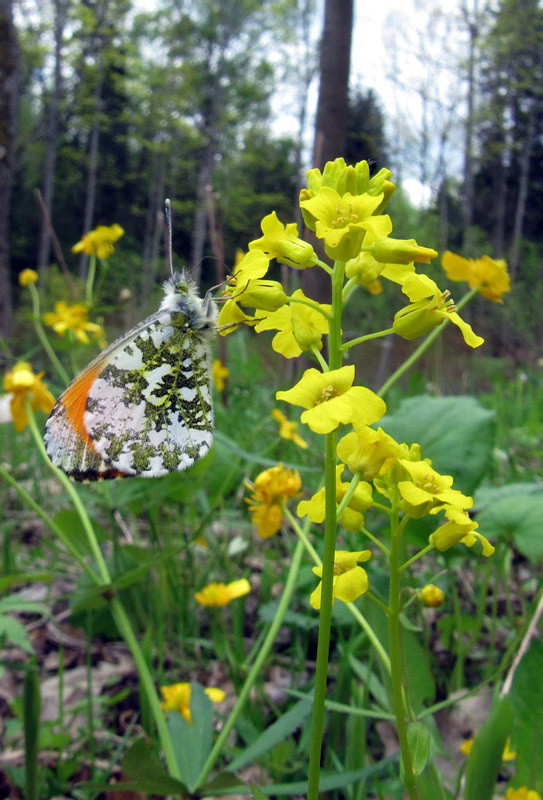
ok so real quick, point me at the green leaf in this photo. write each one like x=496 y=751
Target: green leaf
x=515 y=517
x=192 y=743
x=457 y=433
x=142 y=765
x=13 y=632
x=485 y=758
x=276 y=733
x=527 y=733
x=257 y=794
x=422 y=746
x=72 y=527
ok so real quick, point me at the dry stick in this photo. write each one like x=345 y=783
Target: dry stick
x=56 y=244
x=523 y=647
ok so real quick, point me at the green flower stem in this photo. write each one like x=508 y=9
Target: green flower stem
x=42 y=336
x=320 y=359
x=51 y=524
x=89 y=286
x=364 y=624
x=416 y=557
x=348 y=494
x=366 y=338
x=119 y=614
x=315 y=306
x=396 y=660
x=325 y=618
x=323 y=265
x=254 y=672
x=384 y=549
x=423 y=346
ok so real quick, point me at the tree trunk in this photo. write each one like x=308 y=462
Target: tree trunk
x=9 y=93
x=51 y=138
x=94 y=140
x=470 y=126
x=524 y=177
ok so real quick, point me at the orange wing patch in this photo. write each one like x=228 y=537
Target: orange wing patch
x=74 y=403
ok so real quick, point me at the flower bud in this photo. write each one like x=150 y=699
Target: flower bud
x=431 y=596
x=416 y=319
x=262 y=294
x=401 y=251
x=28 y=277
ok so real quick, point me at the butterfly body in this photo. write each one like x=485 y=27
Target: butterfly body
x=143 y=406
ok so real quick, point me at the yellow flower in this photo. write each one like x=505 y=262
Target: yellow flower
x=72 y=318
x=177 y=698
x=352 y=517
x=330 y=399
x=350 y=580
x=507 y=755
x=340 y=218
x=431 y=596
x=300 y=327
x=219 y=373
x=430 y=307
x=246 y=286
x=459 y=528
x=345 y=178
x=487 y=274
x=288 y=429
x=270 y=490
x=28 y=277
x=522 y=793
x=282 y=242
x=401 y=251
x=21 y=382
x=369 y=452
x=427 y=489
x=100 y=241
x=221 y=594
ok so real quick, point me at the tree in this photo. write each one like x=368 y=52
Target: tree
x=366 y=129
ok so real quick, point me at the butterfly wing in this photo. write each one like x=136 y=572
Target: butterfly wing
x=142 y=407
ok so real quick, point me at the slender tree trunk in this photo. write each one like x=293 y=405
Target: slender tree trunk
x=51 y=138
x=470 y=126
x=199 y=228
x=154 y=223
x=9 y=93
x=524 y=177
x=92 y=174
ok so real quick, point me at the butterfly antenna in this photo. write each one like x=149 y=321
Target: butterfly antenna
x=168 y=217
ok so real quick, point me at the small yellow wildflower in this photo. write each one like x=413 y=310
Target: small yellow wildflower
x=459 y=528
x=221 y=594
x=283 y=243
x=72 y=318
x=430 y=307
x=100 y=241
x=431 y=596
x=487 y=274
x=28 y=277
x=270 y=490
x=352 y=517
x=507 y=755
x=287 y=429
x=21 y=382
x=300 y=327
x=345 y=178
x=522 y=793
x=219 y=373
x=367 y=451
x=350 y=580
x=330 y=399
x=426 y=489
x=177 y=698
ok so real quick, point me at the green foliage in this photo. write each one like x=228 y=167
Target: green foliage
x=527 y=731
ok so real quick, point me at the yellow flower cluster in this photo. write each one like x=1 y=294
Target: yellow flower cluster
x=22 y=383
x=270 y=490
x=100 y=241
x=221 y=594
x=177 y=698
x=72 y=318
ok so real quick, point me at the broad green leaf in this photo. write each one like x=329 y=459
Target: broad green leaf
x=257 y=794
x=515 y=517
x=457 y=433
x=527 y=734
x=485 y=758
x=13 y=632
x=192 y=742
x=422 y=746
x=142 y=766
x=276 y=733
x=70 y=523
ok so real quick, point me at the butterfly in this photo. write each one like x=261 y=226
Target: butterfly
x=143 y=406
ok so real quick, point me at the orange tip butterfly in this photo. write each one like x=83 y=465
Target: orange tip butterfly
x=143 y=406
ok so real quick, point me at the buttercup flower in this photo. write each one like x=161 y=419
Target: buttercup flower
x=339 y=220
x=72 y=318
x=487 y=274
x=369 y=452
x=330 y=399
x=287 y=429
x=270 y=490
x=427 y=490
x=21 y=382
x=28 y=277
x=350 y=580
x=177 y=698
x=219 y=374
x=283 y=243
x=100 y=241
x=459 y=528
x=429 y=308
x=300 y=327
x=431 y=596
x=352 y=517
x=221 y=594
